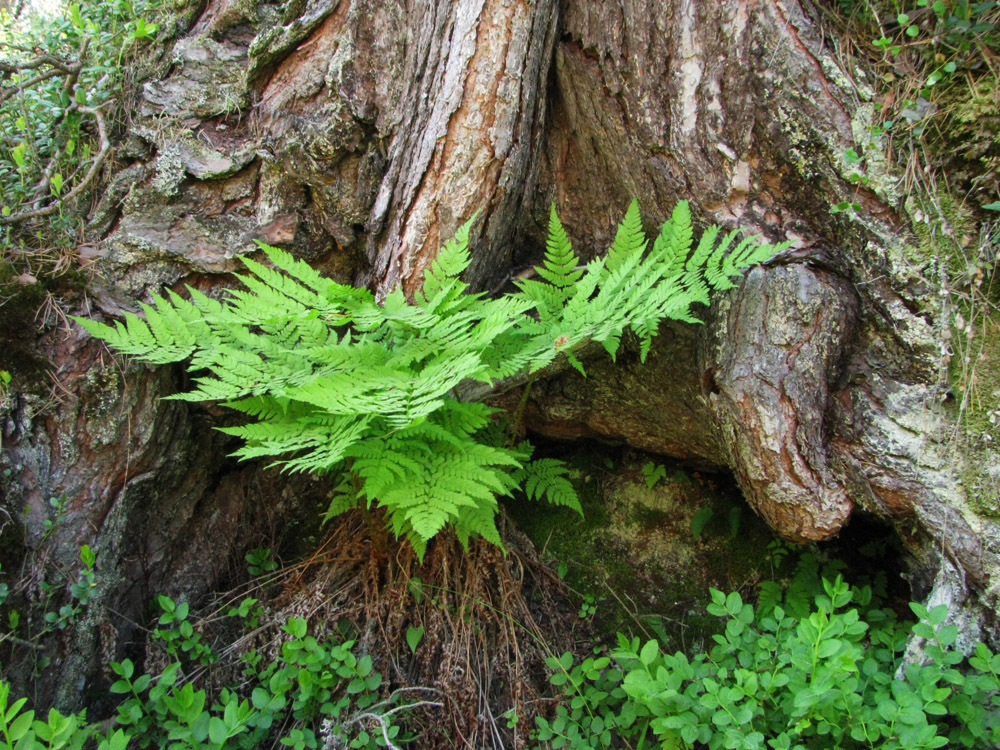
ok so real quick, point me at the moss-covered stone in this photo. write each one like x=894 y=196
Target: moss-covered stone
x=634 y=558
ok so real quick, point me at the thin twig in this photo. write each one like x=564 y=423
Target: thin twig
x=36 y=62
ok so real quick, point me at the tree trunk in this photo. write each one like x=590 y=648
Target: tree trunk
x=361 y=134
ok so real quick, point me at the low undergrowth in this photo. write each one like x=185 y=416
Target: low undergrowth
x=819 y=664
x=362 y=646
x=358 y=645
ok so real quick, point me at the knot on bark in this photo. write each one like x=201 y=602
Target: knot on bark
x=778 y=348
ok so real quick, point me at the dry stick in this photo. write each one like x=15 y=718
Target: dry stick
x=40 y=59
x=384 y=725
x=20 y=87
x=84 y=183
x=59 y=67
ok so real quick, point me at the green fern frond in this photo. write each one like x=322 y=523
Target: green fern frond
x=288 y=291
x=715 y=274
x=342 y=499
x=546 y=298
x=751 y=255
x=630 y=240
x=548 y=478
x=681 y=231
x=464 y=418
x=426 y=484
x=336 y=382
x=309 y=277
x=669 y=251
x=559 y=267
x=441 y=286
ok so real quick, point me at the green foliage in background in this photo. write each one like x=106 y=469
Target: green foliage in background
x=815 y=666
x=938 y=62
x=339 y=383
x=61 y=78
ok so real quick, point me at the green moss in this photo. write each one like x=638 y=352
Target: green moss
x=953 y=257
x=945 y=229
x=18 y=330
x=634 y=555
x=979 y=101
x=975 y=375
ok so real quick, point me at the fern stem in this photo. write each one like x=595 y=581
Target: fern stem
x=515 y=424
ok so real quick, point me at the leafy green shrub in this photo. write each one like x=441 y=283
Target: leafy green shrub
x=801 y=670
x=315 y=693
x=20 y=730
x=339 y=383
x=62 y=74
x=177 y=634
x=313 y=687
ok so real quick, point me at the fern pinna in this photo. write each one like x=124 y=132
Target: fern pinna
x=334 y=382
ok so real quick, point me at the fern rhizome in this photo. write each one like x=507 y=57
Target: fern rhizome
x=334 y=382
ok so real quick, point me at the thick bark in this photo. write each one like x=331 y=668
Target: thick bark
x=820 y=376
x=362 y=134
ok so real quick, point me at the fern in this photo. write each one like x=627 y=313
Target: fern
x=548 y=478
x=334 y=383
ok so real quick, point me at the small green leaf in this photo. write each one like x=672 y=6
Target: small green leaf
x=17 y=154
x=217 y=731
x=416 y=587
x=701 y=517
x=649 y=652
x=947 y=635
x=938 y=614
x=120 y=687
x=296 y=627
x=125 y=668
x=414 y=636
x=19 y=727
